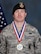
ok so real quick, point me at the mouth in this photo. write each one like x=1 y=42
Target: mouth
x=19 y=16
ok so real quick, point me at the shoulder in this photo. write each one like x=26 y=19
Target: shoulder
x=32 y=29
x=6 y=31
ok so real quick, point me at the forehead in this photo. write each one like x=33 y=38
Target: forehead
x=20 y=10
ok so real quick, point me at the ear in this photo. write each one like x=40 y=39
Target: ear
x=13 y=15
x=25 y=14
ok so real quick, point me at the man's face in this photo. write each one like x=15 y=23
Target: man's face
x=19 y=15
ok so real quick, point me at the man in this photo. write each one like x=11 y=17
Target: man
x=20 y=37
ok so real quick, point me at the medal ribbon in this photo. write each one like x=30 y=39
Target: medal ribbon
x=19 y=34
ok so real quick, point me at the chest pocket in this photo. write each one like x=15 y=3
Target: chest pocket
x=29 y=41
x=11 y=42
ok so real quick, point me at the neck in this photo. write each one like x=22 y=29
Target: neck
x=19 y=24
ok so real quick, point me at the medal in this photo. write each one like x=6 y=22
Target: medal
x=19 y=47
x=19 y=35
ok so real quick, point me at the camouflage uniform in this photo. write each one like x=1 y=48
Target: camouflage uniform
x=31 y=41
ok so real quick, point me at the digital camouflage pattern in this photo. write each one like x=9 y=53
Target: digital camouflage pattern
x=31 y=41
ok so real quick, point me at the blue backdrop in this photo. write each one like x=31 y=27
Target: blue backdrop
x=33 y=8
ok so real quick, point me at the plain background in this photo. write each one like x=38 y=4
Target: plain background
x=33 y=8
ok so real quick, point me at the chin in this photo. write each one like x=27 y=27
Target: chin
x=20 y=20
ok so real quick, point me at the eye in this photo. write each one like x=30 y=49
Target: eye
x=16 y=11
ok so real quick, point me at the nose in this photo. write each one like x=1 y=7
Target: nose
x=19 y=13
